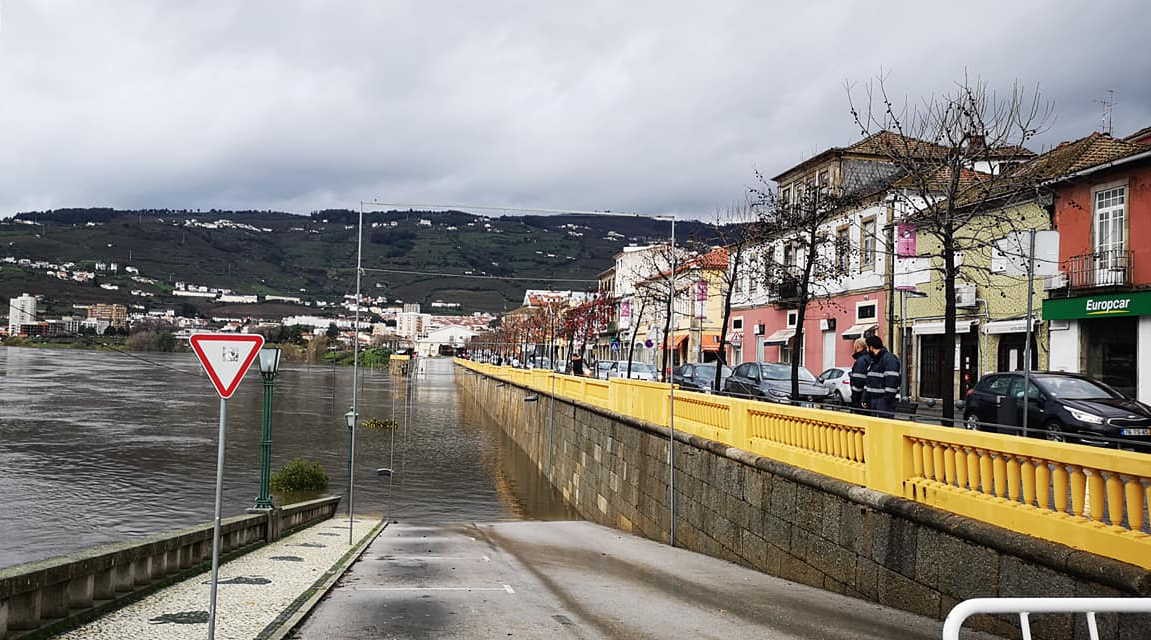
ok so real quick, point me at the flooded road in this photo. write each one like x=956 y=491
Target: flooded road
x=99 y=447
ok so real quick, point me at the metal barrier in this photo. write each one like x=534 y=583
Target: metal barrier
x=1088 y=498
x=1024 y=607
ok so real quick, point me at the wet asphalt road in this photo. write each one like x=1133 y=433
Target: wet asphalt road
x=577 y=580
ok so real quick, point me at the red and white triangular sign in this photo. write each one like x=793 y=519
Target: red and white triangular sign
x=226 y=357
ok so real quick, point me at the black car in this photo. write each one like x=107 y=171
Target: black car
x=1063 y=407
x=772 y=381
x=699 y=377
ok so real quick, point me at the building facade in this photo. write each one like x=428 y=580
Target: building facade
x=21 y=311
x=1099 y=308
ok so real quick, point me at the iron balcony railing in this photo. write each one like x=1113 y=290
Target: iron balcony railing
x=1106 y=268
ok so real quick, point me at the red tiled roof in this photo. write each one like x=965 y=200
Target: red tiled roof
x=1142 y=136
x=1077 y=155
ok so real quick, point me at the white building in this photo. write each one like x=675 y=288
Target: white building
x=21 y=311
x=449 y=338
x=413 y=325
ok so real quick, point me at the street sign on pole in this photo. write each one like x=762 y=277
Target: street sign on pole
x=225 y=358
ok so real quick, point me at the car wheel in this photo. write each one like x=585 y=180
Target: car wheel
x=1054 y=431
x=971 y=422
x=838 y=397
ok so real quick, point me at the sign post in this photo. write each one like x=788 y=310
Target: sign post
x=225 y=358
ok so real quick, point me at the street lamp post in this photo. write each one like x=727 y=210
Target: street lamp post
x=350 y=419
x=269 y=367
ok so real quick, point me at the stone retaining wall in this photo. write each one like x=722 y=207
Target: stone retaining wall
x=40 y=598
x=795 y=524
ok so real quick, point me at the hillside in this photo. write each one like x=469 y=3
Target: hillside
x=314 y=256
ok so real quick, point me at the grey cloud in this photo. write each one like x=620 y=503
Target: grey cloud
x=667 y=106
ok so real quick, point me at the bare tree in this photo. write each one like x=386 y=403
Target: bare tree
x=955 y=151
x=738 y=231
x=809 y=267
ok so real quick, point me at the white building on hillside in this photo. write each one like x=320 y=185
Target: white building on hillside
x=444 y=341
x=21 y=311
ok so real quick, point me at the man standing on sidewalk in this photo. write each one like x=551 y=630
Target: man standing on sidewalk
x=883 y=379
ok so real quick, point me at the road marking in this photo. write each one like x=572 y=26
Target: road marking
x=411 y=558
x=509 y=589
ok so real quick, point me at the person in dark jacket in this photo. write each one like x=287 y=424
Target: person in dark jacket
x=883 y=379
x=862 y=364
x=577 y=365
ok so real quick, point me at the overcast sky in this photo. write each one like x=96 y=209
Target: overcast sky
x=649 y=106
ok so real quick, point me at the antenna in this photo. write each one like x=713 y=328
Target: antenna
x=1108 y=107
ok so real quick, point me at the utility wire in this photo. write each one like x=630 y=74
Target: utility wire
x=478 y=277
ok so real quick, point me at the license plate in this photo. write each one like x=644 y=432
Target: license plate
x=1136 y=432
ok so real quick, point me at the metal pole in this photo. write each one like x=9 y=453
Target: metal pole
x=355 y=375
x=671 y=399
x=216 y=520
x=264 y=501
x=1027 y=344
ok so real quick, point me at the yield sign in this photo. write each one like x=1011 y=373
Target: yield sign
x=226 y=357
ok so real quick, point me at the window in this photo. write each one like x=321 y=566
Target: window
x=792 y=318
x=737 y=324
x=789 y=255
x=865 y=311
x=843 y=249
x=867 y=245
x=1110 y=221
x=785 y=195
x=824 y=179
x=995 y=385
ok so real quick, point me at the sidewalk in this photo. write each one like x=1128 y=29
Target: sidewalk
x=259 y=593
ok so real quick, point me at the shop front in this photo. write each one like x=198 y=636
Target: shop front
x=1106 y=337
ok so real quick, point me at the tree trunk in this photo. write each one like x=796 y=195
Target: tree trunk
x=631 y=342
x=947 y=374
x=721 y=355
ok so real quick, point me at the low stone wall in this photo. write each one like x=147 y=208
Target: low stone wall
x=40 y=598
x=795 y=524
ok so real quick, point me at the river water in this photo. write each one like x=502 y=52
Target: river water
x=100 y=447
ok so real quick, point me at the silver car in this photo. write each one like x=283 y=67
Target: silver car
x=838 y=383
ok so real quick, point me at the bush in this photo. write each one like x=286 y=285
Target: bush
x=300 y=475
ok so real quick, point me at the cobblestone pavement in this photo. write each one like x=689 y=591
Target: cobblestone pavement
x=254 y=589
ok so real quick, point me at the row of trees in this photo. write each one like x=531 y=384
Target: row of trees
x=939 y=177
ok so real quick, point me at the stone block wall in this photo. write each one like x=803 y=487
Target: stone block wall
x=795 y=524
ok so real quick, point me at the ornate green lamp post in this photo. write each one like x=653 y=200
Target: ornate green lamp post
x=269 y=367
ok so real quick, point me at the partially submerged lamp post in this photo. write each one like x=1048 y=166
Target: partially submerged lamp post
x=269 y=367
x=350 y=419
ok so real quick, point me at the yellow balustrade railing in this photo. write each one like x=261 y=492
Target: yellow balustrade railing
x=1088 y=498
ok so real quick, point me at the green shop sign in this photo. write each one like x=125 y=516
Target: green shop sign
x=1105 y=306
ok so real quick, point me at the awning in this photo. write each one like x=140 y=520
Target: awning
x=711 y=341
x=857 y=330
x=936 y=328
x=675 y=343
x=1018 y=325
x=780 y=337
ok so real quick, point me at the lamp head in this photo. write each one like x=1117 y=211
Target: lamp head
x=269 y=361
x=350 y=418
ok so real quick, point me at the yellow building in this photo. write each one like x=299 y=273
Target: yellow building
x=991 y=304
x=698 y=312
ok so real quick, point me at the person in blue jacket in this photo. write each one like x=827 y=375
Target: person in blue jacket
x=883 y=379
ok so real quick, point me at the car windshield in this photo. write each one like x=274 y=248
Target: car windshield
x=708 y=371
x=783 y=372
x=1069 y=388
x=637 y=367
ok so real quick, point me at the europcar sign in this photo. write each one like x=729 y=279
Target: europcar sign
x=1105 y=306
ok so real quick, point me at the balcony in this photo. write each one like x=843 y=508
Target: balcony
x=1107 y=268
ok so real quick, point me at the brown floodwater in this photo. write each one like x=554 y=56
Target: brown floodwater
x=101 y=447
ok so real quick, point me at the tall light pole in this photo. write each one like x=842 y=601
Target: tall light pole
x=269 y=367
x=355 y=374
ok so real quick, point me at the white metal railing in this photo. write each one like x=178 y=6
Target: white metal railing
x=1024 y=607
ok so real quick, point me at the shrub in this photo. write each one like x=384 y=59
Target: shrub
x=300 y=475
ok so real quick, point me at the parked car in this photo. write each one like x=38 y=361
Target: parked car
x=699 y=376
x=838 y=383
x=605 y=369
x=772 y=381
x=1063 y=407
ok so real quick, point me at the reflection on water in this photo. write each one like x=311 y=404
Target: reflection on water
x=99 y=447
